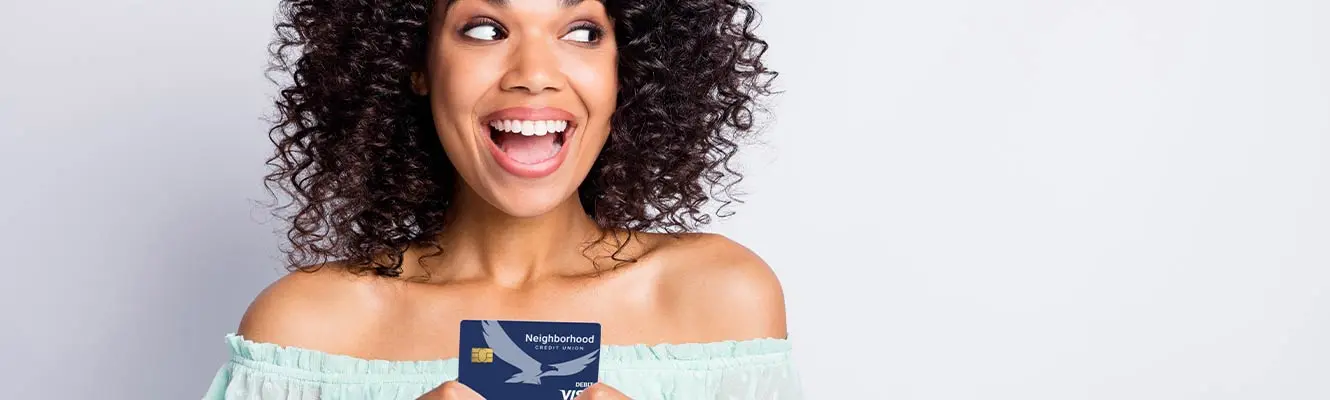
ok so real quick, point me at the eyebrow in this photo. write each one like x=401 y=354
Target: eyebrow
x=562 y=3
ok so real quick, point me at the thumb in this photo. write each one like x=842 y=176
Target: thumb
x=451 y=390
x=601 y=391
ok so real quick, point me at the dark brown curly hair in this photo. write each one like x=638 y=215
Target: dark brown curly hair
x=357 y=152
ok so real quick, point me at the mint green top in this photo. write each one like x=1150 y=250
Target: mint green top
x=748 y=369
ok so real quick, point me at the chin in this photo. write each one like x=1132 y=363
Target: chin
x=530 y=201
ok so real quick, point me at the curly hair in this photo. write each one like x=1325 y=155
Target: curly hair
x=357 y=152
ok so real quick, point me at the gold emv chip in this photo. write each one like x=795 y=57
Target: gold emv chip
x=482 y=355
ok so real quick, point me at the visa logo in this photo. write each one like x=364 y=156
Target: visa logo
x=569 y=394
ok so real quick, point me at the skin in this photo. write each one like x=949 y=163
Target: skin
x=517 y=247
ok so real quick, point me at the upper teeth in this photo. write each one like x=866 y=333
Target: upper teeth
x=529 y=128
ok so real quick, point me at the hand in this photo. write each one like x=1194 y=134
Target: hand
x=601 y=391
x=452 y=390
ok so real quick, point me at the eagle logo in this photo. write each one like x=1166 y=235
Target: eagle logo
x=531 y=370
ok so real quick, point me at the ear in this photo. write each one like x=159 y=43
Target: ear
x=419 y=83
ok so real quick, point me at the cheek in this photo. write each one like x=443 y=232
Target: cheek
x=460 y=83
x=457 y=85
x=597 y=83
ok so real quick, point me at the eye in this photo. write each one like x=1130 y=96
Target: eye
x=484 y=30
x=585 y=33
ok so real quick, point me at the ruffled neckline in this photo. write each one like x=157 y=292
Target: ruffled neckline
x=708 y=355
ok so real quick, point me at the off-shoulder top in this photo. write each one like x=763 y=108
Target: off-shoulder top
x=747 y=369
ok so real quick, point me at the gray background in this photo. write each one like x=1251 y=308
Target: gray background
x=965 y=199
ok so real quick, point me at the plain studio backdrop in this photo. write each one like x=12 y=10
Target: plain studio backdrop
x=964 y=199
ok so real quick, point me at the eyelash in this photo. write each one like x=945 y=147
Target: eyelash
x=596 y=31
x=483 y=21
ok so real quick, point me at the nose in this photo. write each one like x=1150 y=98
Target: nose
x=535 y=68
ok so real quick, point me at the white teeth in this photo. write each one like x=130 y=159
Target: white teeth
x=530 y=128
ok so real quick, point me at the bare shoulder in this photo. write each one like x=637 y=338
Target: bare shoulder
x=329 y=309
x=720 y=288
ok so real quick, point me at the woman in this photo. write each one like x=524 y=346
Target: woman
x=511 y=159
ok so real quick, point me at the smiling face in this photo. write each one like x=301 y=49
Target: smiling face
x=521 y=93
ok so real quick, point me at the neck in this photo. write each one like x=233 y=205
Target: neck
x=482 y=242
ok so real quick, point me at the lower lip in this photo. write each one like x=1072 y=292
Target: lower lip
x=537 y=170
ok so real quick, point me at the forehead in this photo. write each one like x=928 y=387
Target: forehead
x=562 y=3
x=506 y=3
x=541 y=6
x=531 y=8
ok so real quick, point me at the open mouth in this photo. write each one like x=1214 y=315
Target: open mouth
x=529 y=142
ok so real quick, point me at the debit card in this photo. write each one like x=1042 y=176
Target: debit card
x=528 y=359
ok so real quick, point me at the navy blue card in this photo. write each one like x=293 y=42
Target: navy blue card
x=528 y=359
